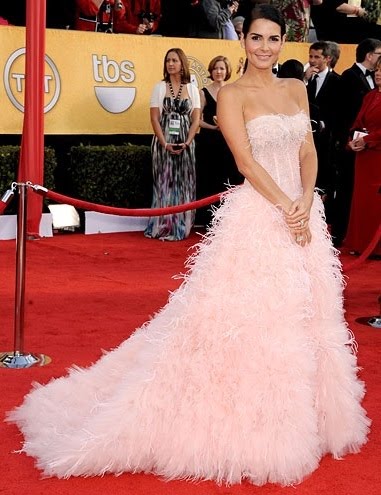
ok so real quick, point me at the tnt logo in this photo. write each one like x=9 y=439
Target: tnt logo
x=14 y=81
x=114 y=99
x=199 y=75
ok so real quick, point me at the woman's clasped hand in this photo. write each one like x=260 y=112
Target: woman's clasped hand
x=175 y=148
x=297 y=218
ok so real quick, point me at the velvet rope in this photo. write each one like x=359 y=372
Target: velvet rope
x=128 y=212
x=152 y=212
x=364 y=255
x=2 y=207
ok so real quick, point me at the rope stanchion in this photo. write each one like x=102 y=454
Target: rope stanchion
x=128 y=212
x=18 y=358
x=368 y=251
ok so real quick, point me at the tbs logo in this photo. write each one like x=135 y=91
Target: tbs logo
x=114 y=99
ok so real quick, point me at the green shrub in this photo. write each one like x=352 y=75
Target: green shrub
x=9 y=159
x=112 y=175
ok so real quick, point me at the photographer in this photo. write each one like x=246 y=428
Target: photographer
x=212 y=19
x=97 y=15
x=141 y=17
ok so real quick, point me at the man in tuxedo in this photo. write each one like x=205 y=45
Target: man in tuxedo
x=355 y=83
x=276 y=68
x=323 y=90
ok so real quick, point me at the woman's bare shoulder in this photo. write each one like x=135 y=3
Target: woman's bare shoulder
x=229 y=91
x=295 y=86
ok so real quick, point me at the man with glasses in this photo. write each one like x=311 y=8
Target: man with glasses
x=355 y=83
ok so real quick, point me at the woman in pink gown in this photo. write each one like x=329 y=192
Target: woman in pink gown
x=248 y=372
x=365 y=214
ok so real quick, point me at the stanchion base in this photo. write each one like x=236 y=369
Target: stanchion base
x=375 y=321
x=20 y=360
x=370 y=321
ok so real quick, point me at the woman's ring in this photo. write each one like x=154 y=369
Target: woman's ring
x=300 y=238
x=301 y=223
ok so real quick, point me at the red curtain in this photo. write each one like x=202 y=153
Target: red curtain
x=31 y=167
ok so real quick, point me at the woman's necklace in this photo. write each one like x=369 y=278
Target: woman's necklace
x=176 y=98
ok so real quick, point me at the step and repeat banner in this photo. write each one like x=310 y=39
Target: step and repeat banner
x=99 y=83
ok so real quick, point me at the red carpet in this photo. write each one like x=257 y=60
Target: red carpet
x=87 y=293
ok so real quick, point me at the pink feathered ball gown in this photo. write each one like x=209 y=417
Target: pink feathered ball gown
x=248 y=372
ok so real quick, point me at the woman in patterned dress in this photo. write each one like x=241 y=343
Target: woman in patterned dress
x=297 y=17
x=175 y=116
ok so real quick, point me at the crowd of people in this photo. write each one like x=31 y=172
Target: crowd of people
x=202 y=164
x=336 y=20
x=182 y=168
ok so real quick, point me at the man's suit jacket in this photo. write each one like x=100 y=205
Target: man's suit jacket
x=353 y=87
x=326 y=99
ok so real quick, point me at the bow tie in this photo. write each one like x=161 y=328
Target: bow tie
x=368 y=73
x=275 y=70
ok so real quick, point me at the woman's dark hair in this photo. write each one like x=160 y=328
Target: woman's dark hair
x=220 y=58
x=291 y=68
x=264 y=11
x=185 y=72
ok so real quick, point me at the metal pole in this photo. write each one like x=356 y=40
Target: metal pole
x=18 y=358
x=20 y=271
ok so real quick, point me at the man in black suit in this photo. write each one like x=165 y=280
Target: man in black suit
x=323 y=90
x=355 y=83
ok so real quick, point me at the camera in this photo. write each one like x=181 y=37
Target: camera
x=147 y=16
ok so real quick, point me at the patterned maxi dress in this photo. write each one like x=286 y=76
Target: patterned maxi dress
x=174 y=176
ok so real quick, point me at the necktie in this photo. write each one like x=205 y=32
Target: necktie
x=312 y=86
x=368 y=73
x=275 y=70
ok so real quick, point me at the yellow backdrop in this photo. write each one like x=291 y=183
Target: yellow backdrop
x=101 y=84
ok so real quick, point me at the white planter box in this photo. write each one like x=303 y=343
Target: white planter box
x=8 y=226
x=101 y=223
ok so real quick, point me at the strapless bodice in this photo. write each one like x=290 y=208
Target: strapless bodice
x=275 y=141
